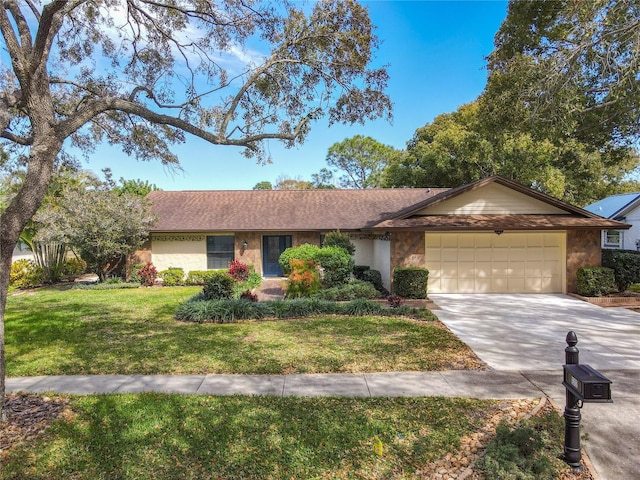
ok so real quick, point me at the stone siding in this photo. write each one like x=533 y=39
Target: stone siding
x=407 y=249
x=583 y=250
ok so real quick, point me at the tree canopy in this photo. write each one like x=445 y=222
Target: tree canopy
x=142 y=75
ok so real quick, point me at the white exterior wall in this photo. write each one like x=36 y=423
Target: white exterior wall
x=188 y=252
x=364 y=250
x=630 y=236
x=382 y=260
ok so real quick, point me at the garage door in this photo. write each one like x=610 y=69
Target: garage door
x=517 y=262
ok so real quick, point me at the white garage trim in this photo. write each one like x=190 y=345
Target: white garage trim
x=485 y=262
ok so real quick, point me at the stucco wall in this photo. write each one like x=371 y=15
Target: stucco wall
x=583 y=250
x=186 y=251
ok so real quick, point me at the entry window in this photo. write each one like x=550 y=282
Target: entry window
x=219 y=251
x=612 y=238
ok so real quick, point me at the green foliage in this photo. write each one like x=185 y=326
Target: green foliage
x=138 y=187
x=25 y=274
x=339 y=239
x=595 y=281
x=374 y=277
x=218 y=286
x=362 y=160
x=525 y=452
x=199 y=277
x=147 y=274
x=264 y=185
x=336 y=266
x=74 y=267
x=410 y=282
x=172 y=277
x=358 y=271
x=303 y=252
x=625 y=265
x=198 y=310
x=304 y=279
x=350 y=291
x=252 y=281
x=116 y=284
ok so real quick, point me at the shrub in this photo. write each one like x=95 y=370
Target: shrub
x=253 y=280
x=148 y=275
x=358 y=271
x=336 y=264
x=303 y=252
x=525 y=452
x=25 y=274
x=218 y=286
x=350 y=291
x=625 y=265
x=410 y=282
x=374 y=277
x=172 y=277
x=199 y=277
x=304 y=279
x=238 y=271
x=596 y=281
x=247 y=295
x=395 y=301
x=74 y=267
x=339 y=239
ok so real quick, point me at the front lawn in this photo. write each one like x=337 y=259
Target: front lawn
x=155 y=436
x=50 y=332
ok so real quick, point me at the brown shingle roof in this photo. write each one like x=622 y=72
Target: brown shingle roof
x=499 y=222
x=280 y=210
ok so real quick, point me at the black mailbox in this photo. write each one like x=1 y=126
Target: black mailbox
x=587 y=384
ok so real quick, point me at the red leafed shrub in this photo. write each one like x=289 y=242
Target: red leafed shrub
x=247 y=295
x=238 y=271
x=395 y=300
x=148 y=274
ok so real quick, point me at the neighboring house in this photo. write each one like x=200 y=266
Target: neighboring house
x=21 y=251
x=624 y=207
x=493 y=235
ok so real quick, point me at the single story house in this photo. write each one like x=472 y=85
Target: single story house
x=493 y=235
x=624 y=207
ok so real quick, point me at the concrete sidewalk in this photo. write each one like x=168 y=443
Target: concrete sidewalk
x=453 y=383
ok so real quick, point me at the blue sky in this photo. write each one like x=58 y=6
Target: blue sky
x=435 y=52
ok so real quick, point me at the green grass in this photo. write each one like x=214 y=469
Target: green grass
x=51 y=332
x=154 y=436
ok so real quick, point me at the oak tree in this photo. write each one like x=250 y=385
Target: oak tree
x=143 y=75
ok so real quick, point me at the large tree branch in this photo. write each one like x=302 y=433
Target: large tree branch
x=50 y=23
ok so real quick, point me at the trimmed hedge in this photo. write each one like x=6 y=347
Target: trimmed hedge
x=625 y=265
x=410 y=282
x=232 y=310
x=199 y=277
x=596 y=281
x=172 y=277
x=219 y=286
x=337 y=266
x=350 y=291
x=374 y=277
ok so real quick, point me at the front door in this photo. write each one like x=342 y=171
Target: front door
x=272 y=248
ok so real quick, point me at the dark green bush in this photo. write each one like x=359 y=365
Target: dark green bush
x=526 y=452
x=218 y=286
x=410 y=282
x=358 y=271
x=625 y=265
x=336 y=266
x=350 y=291
x=304 y=252
x=339 y=239
x=172 y=277
x=374 y=277
x=596 y=281
x=199 y=277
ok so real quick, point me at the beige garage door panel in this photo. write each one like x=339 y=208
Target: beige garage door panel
x=516 y=262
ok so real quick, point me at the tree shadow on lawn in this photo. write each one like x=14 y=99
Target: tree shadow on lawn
x=162 y=436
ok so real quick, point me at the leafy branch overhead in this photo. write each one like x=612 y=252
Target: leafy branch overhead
x=175 y=68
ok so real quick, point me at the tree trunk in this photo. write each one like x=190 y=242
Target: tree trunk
x=6 y=252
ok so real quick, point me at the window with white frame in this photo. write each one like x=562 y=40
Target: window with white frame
x=220 y=250
x=613 y=238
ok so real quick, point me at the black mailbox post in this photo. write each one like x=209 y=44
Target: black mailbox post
x=587 y=384
x=583 y=384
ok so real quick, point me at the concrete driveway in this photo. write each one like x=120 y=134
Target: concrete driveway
x=522 y=332
x=526 y=333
